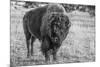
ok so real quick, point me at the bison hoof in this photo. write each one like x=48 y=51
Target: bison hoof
x=28 y=55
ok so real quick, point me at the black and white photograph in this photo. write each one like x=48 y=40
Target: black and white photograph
x=45 y=33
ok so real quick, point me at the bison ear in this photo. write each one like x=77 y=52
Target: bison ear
x=67 y=23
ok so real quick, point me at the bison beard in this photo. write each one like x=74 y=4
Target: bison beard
x=49 y=24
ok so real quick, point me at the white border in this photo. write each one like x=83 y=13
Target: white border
x=5 y=33
x=86 y=2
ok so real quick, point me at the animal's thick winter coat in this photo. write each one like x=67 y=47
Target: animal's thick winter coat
x=50 y=24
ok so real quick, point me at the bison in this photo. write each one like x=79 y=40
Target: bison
x=50 y=24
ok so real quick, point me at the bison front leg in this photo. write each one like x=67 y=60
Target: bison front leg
x=47 y=57
x=55 y=49
x=45 y=49
x=55 y=55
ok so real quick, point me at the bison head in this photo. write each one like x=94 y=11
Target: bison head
x=58 y=26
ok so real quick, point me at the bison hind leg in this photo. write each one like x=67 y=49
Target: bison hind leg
x=32 y=41
x=28 y=36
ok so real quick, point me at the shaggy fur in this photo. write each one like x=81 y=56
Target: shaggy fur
x=49 y=24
